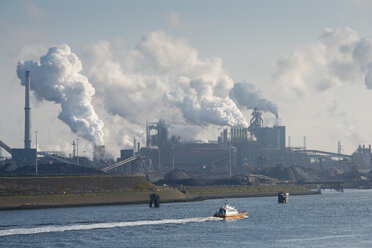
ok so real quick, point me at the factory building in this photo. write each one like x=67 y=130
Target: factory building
x=236 y=147
x=268 y=137
x=126 y=153
x=20 y=154
x=271 y=137
x=363 y=157
x=236 y=150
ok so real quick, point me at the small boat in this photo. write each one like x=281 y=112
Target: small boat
x=229 y=212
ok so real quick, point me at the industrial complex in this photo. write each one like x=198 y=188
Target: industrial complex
x=235 y=152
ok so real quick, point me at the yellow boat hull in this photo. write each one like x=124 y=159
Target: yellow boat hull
x=235 y=216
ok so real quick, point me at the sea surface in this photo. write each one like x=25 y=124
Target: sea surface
x=332 y=219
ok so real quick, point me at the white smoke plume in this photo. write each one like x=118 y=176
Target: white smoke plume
x=338 y=62
x=338 y=56
x=57 y=77
x=245 y=94
x=162 y=78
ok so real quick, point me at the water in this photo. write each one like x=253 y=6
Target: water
x=328 y=220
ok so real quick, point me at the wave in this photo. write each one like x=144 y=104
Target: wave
x=76 y=227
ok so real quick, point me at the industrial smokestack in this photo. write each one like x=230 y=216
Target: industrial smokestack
x=99 y=153
x=27 y=111
x=339 y=147
x=57 y=78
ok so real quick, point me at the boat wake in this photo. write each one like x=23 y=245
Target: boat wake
x=318 y=238
x=53 y=228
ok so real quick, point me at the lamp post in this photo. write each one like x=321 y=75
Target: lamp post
x=230 y=159
x=36 y=169
x=77 y=151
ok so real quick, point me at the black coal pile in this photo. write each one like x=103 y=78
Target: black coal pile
x=177 y=174
x=292 y=173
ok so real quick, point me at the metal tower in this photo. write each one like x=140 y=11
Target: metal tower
x=256 y=121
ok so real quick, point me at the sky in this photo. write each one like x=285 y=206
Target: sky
x=110 y=66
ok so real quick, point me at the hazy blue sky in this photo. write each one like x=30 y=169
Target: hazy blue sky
x=301 y=55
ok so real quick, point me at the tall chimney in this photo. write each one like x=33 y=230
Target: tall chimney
x=27 y=111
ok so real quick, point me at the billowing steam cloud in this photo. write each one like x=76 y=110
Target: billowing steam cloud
x=57 y=78
x=245 y=94
x=163 y=78
x=338 y=56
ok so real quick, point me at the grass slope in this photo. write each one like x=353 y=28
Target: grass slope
x=38 y=192
x=11 y=186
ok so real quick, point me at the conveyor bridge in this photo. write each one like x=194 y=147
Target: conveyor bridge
x=323 y=153
x=6 y=148
x=116 y=165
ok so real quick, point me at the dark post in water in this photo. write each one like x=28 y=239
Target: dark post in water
x=154 y=199
x=283 y=197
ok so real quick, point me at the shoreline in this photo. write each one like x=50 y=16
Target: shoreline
x=163 y=199
x=83 y=191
